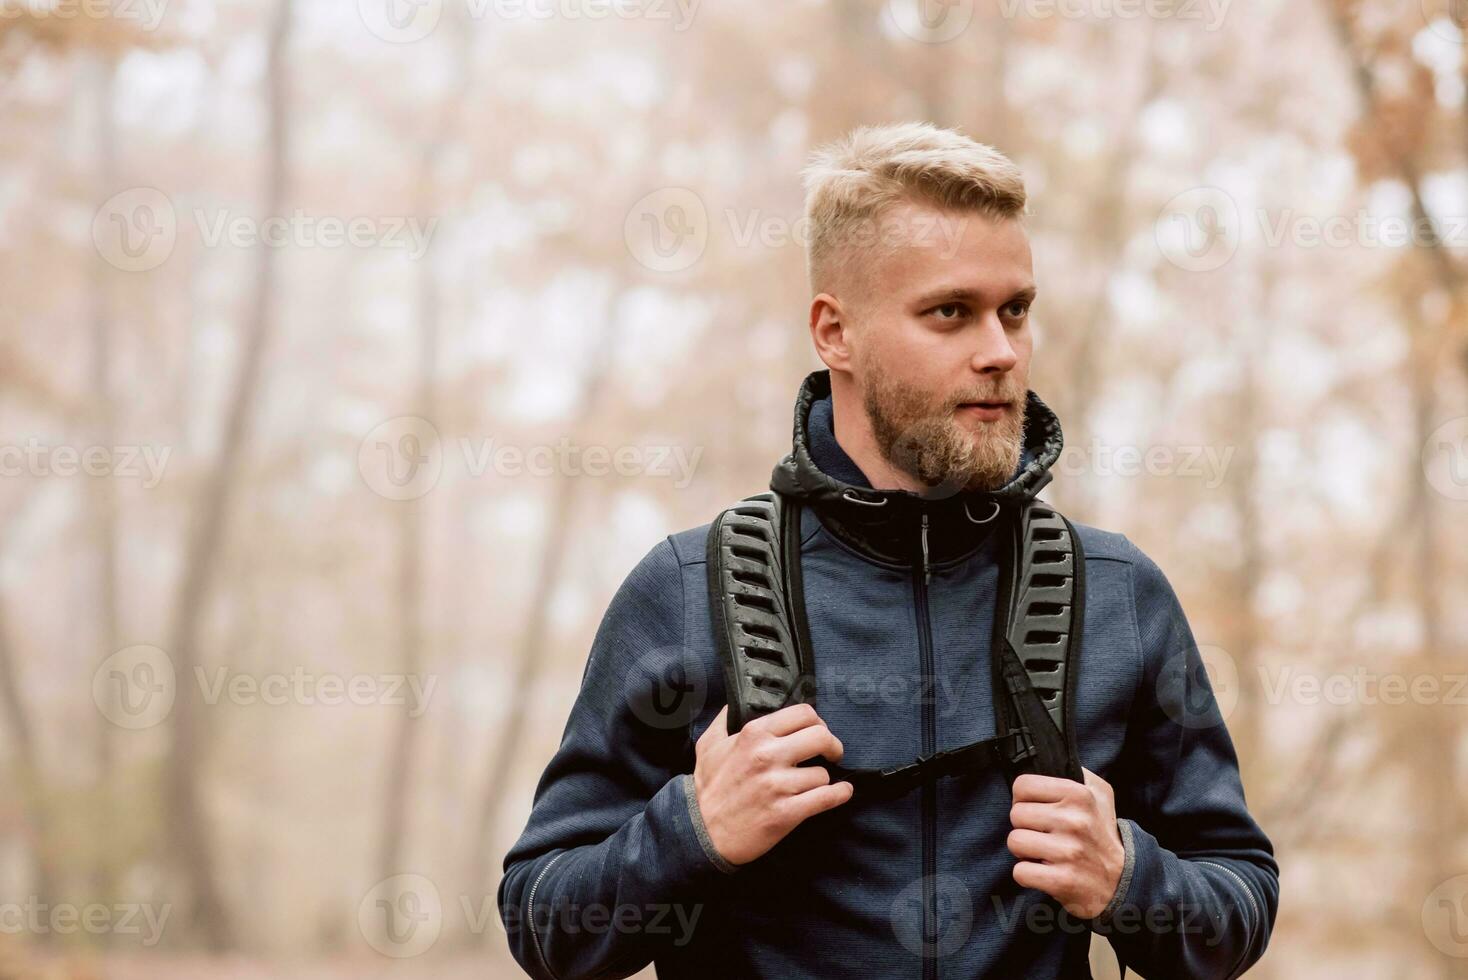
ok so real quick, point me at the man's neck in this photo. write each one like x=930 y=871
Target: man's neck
x=853 y=431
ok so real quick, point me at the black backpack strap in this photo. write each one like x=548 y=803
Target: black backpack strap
x=757 y=604
x=762 y=637
x=1038 y=623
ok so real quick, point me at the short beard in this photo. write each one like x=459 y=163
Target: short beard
x=925 y=440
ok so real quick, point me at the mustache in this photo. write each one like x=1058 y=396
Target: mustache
x=1015 y=394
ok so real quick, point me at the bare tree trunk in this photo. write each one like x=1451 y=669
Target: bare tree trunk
x=532 y=653
x=102 y=490
x=193 y=849
x=1244 y=641
x=1111 y=234
x=28 y=769
x=395 y=804
x=1433 y=771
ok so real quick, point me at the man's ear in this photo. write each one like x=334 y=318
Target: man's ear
x=830 y=332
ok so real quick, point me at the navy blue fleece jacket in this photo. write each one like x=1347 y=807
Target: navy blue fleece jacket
x=614 y=869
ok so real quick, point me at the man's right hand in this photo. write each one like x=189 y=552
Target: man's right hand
x=751 y=789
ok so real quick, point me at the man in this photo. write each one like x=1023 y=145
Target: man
x=661 y=837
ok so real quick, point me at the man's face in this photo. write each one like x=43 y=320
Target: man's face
x=941 y=345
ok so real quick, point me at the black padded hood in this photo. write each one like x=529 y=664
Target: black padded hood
x=884 y=524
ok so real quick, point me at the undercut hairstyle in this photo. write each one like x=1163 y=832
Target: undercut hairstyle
x=852 y=183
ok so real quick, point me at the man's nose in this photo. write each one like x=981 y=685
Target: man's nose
x=995 y=353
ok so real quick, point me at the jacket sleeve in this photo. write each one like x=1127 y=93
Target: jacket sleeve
x=1200 y=887
x=615 y=862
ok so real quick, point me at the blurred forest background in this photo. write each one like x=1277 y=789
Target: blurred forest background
x=352 y=351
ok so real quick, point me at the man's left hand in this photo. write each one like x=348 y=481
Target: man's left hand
x=1066 y=840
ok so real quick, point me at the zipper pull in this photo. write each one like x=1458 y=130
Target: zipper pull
x=927 y=572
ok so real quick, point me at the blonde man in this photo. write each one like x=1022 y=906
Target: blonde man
x=664 y=832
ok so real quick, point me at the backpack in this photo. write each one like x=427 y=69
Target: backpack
x=762 y=635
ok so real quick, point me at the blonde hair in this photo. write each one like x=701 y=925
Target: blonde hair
x=852 y=182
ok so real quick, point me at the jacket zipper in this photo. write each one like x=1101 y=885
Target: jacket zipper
x=930 y=789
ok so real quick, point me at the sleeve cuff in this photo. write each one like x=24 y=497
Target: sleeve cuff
x=1129 y=864
x=695 y=816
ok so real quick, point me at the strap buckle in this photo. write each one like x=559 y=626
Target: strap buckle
x=1026 y=745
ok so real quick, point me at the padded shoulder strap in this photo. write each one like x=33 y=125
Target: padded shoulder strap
x=1038 y=624
x=761 y=634
x=758 y=607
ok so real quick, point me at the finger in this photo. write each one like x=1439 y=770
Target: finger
x=1043 y=817
x=821 y=799
x=1095 y=782
x=791 y=718
x=1047 y=878
x=717 y=731
x=1031 y=845
x=802 y=779
x=1032 y=787
x=807 y=743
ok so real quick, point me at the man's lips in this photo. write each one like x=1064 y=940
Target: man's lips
x=989 y=411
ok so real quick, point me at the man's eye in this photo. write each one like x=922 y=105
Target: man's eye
x=949 y=311
x=1017 y=310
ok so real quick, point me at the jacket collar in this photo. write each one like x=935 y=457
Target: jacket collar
x=885 y=524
